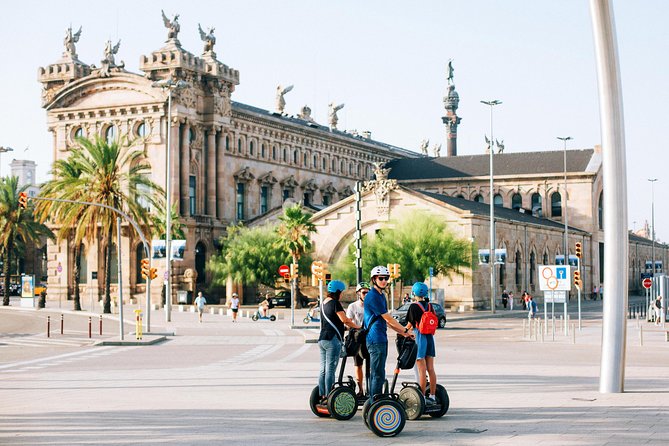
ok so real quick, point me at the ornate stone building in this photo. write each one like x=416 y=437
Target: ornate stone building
x=231 y=162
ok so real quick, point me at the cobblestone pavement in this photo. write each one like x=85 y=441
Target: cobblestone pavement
x=248 y=382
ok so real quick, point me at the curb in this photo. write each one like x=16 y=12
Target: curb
x=147 y=340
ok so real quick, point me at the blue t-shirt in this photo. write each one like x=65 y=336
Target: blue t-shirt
x=375 y=305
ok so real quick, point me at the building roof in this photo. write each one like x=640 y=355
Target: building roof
x=524 y=163
x=483 y=210
x=633 y=238
x=238 y=106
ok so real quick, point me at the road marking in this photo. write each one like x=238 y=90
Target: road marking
x=70 y=356
x=299 y=352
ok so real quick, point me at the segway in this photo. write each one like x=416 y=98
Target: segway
x=384 y=414
x=341 y=403
x=415 y=402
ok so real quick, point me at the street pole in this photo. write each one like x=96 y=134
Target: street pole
x=652 y=230
x=492 y=103
x=120 y=277
x=566 y=227
x=169 y=85
x=614 y=173
x=358 y=233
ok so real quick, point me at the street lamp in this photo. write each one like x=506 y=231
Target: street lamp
x=564 y=139
x=4 y=150
x=492 y=103
x=652 y=231
x=168 y=85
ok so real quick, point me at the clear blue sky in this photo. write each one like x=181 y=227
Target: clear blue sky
x=386 y=60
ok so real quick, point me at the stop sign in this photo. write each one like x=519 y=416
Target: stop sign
x=284 y=270
x=647 y=283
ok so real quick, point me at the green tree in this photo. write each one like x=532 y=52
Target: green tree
x=18 y=227
x=115 y=174
x=249 y=255
x=159 y=220
x=295 y=232
x=417 y=243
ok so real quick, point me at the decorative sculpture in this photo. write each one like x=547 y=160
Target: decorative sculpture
x=450 y=71
x=172 y=25
x=305 y=114
x=487 y=141
x=333 y=114
x=208 y=38
x=69 y=41
x=423 y=146
x=500 y=146
x=437 y=150
x=109 y=62
x=280 y=101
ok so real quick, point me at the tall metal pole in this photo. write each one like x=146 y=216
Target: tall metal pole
x=564 y=139
x=614 y=168
x=120 y=277
x=358 y=232
x=492 y=209
x=652 y=230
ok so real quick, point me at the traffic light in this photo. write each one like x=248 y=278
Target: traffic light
x=317 y=270
x=145 y=269
x=293 y=270
x=23 y=200
x=153 y=273
x=396 y=270
x=577 y=279
x=579 y=250
x=328 y=277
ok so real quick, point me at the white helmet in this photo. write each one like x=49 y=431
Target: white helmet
x=234 y=294
x=379 y=271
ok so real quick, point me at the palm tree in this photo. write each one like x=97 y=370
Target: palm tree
x=110 y=173
x=17 y=227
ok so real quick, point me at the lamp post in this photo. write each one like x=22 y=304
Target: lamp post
x=4 y=150
x=168 y=85
x=652 y=231
x=492 y=103
x=564 y=139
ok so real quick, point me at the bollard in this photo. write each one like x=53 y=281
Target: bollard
x=48 y=326
x=641 y=336
x=637 y=321
x=90 y=327
x=524 y=325
x=62 y=323
x=543 y=330
x=573 y=334
x=138 y=325
x=100 y=325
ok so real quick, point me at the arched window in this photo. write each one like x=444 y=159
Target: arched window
x=459 y=196
x=251 y=148
x=325 y=162
x=285 y=155
x=200 y=261
x=342 y=166
x=536 y=205
x=294 y=156
x=239 y=145
x=305 y=160
x=227 y=143
x=478 y=198
x=141 y=130
x=533 y=262
x=315 y=161
x=79 y=132
x=110 y=134
x=516 y=201
x=600 y=210
x=138 y=264
x=498 y=201
x=333 y=165
x=545 y=262
x=556 y=204
x=262 y=151
x=191 y=135
x=519 y=269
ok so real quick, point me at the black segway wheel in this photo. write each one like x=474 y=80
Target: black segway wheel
x=443 y=400
x=254 y=317
x=413 y=402
x=386 y=418
x=342 y=403
x=272 y=318
x=313 y=404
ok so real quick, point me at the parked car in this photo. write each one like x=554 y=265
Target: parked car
x=401 y=314
x=282 y=299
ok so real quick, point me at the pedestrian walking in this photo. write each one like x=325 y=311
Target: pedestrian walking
x=377 y=319
x=200 y=303
x=658 y=310
x=505 y=298
x=533 y=308
x=331 y=338
x=234 y=306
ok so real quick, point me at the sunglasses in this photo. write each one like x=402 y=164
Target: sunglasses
x=364 y=292
x=384 y=278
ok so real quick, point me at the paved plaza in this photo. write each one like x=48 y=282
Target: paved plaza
x=249 y=382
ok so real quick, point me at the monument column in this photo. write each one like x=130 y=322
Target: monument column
x=211 y=171
x=184 y=170
x=220 y=177
x=451 y=120
x=173 y=152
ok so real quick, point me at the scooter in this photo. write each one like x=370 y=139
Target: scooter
x=258 y=316
x=313 y=315
x=384 y=414
x=415 y=402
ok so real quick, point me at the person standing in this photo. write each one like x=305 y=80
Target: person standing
x=377 y=319
x=510 y=300
x=356 y=312
x=424 y=341
x=234 y=306
x=331 y=338
x=532 y=307
x=200 y=302
x=505 y=298
x=658 y=310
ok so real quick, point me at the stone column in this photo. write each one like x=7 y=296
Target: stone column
x=211 y=171
x=173 y=176
x=220 y=177
x=184 y=170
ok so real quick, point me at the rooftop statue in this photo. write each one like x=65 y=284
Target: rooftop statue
x=333 y=114
x=450 y=71
x=69 y=41
x=280 y=101
x=423 y=146
x=172 y=25
x=437 y=150
x=500 y=146
x=487 y=141
x=208 y=38
x=305 y=114
x=109 y=62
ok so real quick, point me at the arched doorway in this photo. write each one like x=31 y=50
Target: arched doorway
x=200 y=261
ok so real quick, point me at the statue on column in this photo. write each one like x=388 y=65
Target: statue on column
x=69 y=41
x=208 y=39
x=450 y=72
x=333 y=119
x=424 y=145
x=172 y=26
x=280 y=101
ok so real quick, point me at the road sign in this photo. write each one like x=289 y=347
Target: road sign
x=284 y=269
x=556 y=297
x=647 y=283
x=554 y=278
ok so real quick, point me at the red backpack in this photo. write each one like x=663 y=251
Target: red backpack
x=428 y=321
